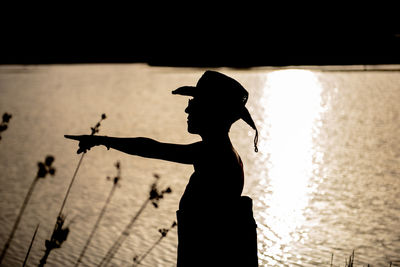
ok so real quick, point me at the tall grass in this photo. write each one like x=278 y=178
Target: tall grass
x=4 y=123
x=30 y=246
x=137 y=260
x=154 y=197
x=44 y=168
x=60 y=233
x=350 y=261
x=116 y=179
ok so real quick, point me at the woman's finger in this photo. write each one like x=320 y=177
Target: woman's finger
x=73 y=137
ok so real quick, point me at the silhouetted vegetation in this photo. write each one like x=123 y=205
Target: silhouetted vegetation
x=164 y=231
x=30 y=246
x=44 y=168
x=154 y=197
x=5 y=121
x=350 y=261
x=116 y=179
x=60 y=234
x=58 y=237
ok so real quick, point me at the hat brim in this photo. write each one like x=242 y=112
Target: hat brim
x=191 y=91
x=185 y=90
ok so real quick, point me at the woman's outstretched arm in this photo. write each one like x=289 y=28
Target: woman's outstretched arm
x=139 y=146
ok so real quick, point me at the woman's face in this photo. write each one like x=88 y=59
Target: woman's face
x=205 y=117
x=197 y=117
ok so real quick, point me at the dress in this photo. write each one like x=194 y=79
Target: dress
x=215 y=223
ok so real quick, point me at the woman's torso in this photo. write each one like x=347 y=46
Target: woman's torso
x=217 y=180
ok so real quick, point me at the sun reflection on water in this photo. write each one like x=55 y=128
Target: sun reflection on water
x=292 y=110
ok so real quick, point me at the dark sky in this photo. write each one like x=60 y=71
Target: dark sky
x=180 y=39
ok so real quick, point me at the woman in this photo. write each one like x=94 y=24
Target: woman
x=215 y=223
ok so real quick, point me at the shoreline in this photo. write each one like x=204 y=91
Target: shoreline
x=324 y=68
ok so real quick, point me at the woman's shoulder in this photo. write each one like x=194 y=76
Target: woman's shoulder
x=215 y=153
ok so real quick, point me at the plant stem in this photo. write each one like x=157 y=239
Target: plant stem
x=30 y=246
x=49 y=248
x=70 y=184
x=43 y=260
x=163 y=233
x=96 y=224
x=148 y=251
x=117 y=244
x=21 y=211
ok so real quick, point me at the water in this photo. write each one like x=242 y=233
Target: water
x=325 y=180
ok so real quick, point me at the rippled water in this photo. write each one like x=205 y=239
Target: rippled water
x=326 y=178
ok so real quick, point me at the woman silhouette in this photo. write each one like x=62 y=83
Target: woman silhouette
x=215 y=223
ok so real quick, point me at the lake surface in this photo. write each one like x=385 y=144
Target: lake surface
x=326 y=179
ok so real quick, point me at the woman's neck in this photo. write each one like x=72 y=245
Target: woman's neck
x=217 y=138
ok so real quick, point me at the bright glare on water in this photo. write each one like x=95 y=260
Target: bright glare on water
x=326 y=179
x=292 y=110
